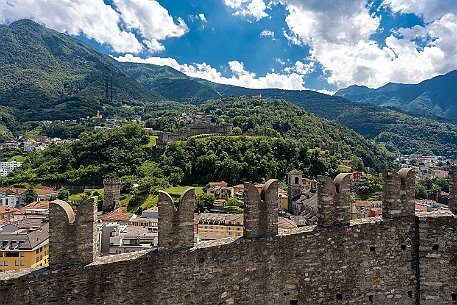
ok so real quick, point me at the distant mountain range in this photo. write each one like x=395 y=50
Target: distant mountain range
x=436 y=97
x=49 y=75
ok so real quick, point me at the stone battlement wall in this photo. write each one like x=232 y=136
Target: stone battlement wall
x=193 y=130
x=401 y=259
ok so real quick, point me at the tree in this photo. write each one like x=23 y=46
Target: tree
x=204 y=203
x=63 y=195
x=421 y=191
x=30 y=195
x=233 y=201
x=237 y=131
x=357 y=163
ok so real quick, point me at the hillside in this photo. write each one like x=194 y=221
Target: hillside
x=399 y=131
x=279 y=118
x=432 y=97
x=48 y=75
x=277 y=137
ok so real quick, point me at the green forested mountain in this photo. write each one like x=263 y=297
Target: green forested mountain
x=48 y=75
x=432 y=97
x=279 y=118
x=399 y=131
x=274 y=137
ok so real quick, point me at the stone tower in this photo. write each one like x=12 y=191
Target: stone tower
x=398 y=190
x=295 y=185
x=334 y=200
x=453 y=188
x=176 y=221
x=261 y=210
x=112 y=189
x=72 y=236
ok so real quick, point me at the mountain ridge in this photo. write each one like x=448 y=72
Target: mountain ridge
x=78 y=82
x=432 y=97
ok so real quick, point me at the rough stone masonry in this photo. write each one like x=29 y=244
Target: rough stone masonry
x=399 y=259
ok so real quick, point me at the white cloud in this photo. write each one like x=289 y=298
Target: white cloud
x=340 y=40
x=301 y=68
x=239 y=75
x=268 y=33
x=202 y=18
x=101 y=22
x=339 y=35
x=248 y=8
x=430 y=10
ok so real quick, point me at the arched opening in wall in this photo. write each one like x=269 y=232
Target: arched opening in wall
x=370 y=298
x=297 y=181
x=339 y=296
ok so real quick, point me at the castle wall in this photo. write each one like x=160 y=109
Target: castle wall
x=312 y=268
x=438 y=260
x=371 y=261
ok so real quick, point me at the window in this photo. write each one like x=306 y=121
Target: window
x=37 y=260
x=11 y=254
x=1 y=263
x=21 y=263
x=296 y=180
x=37 y=251
x=436 y=247
x=41 y=249
x=5 y=263
x=339 y=297
x=16 y=263
x=21 y=254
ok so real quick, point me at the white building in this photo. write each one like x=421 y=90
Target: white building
x=8 y=167
x=116 y=238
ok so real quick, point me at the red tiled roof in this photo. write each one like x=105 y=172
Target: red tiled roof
x=20 y=211
x=45 y=191
x=20 y=191
x=38 y=205
x=5 y=209
x=116 y=215
x=220 y=183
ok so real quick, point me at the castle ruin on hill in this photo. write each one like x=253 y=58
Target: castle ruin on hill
x=401 y=258
x=199 y=126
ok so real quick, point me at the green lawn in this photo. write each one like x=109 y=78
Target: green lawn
x=178 y=190
x=152 y=141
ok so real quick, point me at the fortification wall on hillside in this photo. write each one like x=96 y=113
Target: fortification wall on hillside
x=377 y=261
x=193 y=130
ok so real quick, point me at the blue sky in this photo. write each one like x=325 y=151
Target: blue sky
x=293 y=44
